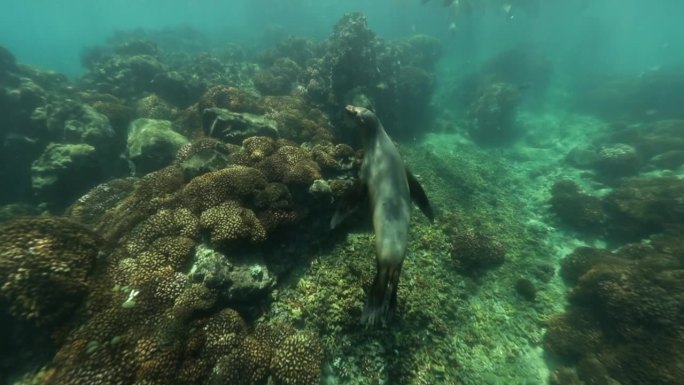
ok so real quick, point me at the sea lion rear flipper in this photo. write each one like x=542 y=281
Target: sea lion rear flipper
x=382 y=298
x=349 y=202
x=418 y=195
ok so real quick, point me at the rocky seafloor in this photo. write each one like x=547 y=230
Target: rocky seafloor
x=165 y=219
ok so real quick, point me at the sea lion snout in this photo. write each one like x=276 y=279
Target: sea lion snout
x=363 y=116
x=351 y=110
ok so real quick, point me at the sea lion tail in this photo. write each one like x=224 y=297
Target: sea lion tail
x=382 y=298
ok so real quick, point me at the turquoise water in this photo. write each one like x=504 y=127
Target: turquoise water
x=613 y=35
x=187 y=189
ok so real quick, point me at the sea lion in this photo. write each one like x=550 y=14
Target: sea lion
x=388 y=187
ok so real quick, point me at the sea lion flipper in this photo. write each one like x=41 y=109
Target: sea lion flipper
x=349 y=202
x=419 y=196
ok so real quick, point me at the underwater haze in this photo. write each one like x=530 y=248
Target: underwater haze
x=301 y=192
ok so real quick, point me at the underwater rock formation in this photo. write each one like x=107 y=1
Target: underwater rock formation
x=168 y=308
x=393 y=79
x=234 y=127
x=152 y=144
x=63 y=172
x=581 y=211
x=650 y=95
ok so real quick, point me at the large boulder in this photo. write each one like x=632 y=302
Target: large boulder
x=152 y=144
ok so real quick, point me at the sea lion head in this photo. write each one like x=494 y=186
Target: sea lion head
x=363 y=117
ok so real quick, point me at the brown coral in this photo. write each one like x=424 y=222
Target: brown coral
x=229 y=221
x=45 y=263
x=625 y=314
x=297 y=360
x=258 y=147
x=154 y=107
x=216 y=187
x=290 y=165
x=474 y=251
x=166 y=222
x=230 y=98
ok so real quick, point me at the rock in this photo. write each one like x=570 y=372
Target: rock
x=90 y=127
x=582 y=157
x=618 y=160
x=152 y=144
x=63 y=172
x=8 y=63
x=236 y=282
x=234 y=127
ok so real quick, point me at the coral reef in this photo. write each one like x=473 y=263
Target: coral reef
x=473 y=252
x=624 y=322
x=643 y=206
x=581 y=211
x=180 y=285
x=618 y=160
x=634 y=209
x=651 y=94
x=297 y=361
x=45 y=266
x=492 y=114
x=279 y=78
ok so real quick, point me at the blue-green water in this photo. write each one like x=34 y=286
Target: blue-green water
x=170 y=171
x=609 y=35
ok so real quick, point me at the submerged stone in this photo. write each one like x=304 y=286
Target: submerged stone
x=234 y=127
x=152 y=144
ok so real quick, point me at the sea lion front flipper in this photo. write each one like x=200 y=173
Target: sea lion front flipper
x=419 y=196
x=349 y=202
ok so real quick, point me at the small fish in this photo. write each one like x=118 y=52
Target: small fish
x=447 y=3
